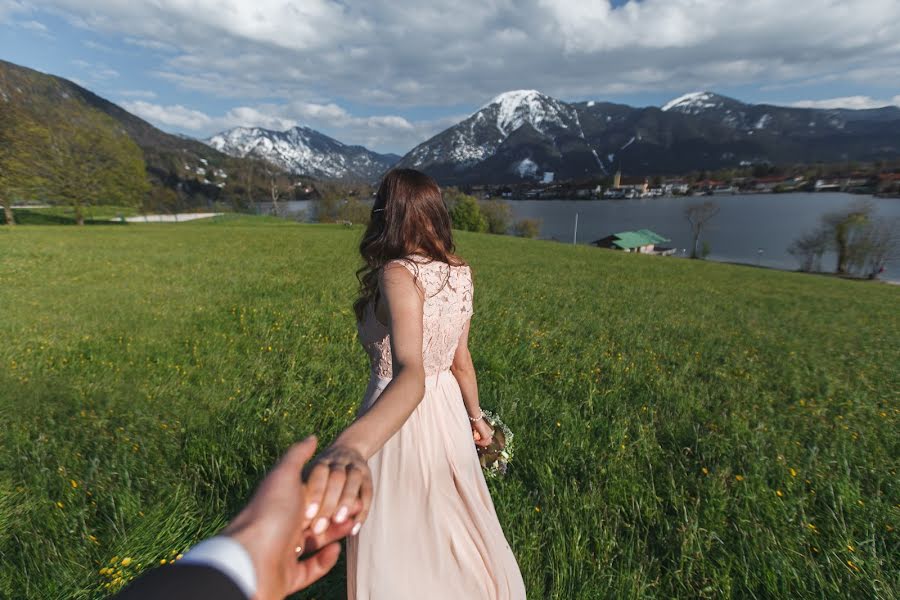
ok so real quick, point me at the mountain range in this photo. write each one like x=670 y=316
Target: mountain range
x=522 y=134
x=304 y=151
x=516 y=137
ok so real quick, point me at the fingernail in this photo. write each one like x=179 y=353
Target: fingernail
x=320 y=526
x=341 y=515
x=312 y=510
x=356 y=529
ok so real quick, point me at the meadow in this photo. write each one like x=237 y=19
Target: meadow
x=684 y=429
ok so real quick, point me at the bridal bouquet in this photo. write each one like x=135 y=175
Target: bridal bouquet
x=495 y=458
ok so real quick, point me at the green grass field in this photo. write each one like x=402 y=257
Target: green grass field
x=684 y=429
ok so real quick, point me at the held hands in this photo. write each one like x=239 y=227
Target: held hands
x=482 y=432
x=338 y=481
x=275 y=524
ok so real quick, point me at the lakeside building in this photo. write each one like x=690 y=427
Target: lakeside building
x=642 y=241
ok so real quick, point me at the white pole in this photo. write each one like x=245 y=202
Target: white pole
x=575 y=237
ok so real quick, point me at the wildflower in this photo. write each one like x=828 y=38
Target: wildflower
x=558 y=424
x=537 y=509
x=59 y=505
x=739 y=477
x=779 y=493
x=705 y=471
x=162 y=561
x=850 y=548
x=179 y=556
x=126 y=561
x=73 y=483
x=793 y=472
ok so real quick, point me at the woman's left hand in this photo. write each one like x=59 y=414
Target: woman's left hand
x=335 y=480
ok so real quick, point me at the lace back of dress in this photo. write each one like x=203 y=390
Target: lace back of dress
x=448 y=306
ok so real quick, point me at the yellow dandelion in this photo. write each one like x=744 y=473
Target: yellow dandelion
x=739 y=477
x=73 y=483
x=126 y=561
x=779 y=493
x=558 y=424
x=179 y=556
x=59 y=505
x=705 y=471
x=162 y=561
x=851 y=548
x=793 y=472
x=537 y=509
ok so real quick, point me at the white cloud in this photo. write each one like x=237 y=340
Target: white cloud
x=854 y=102
x=34 y=26
x=374 y=132
x=383 y=52
x=136 y=94
x=169 y=116
x=97 y=72
x=304 y=60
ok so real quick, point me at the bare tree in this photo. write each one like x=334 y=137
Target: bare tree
x=877 y=244
x=698 y=215
x=809 y=248
x=275 y=185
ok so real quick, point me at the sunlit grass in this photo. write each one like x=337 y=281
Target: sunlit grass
x=683 y=429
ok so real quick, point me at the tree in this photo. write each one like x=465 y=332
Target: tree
x=498 y=214
x=528 y=228
x=809 y=248
x=328 y=204
x=273 y=176
x=15 y=155
x=877 y=244
x=92 y=161
x=466 y=215
x=844 y=228
x=247 y=175
x=698 y=215
x=352 y=210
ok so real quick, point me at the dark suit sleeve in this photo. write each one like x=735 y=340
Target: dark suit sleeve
x=182 y=582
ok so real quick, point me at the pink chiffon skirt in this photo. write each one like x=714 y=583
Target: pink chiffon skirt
x=432 y=531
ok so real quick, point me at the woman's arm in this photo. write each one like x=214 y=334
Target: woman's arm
x=340 y=474
x=464 y=371
x=404 y=301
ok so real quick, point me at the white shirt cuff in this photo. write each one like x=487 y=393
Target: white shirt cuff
x=228 y=556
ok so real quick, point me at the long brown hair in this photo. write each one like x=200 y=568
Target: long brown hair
x=409 y=217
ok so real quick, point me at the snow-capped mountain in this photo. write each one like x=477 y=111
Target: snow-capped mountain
x=304 y=151
x=523 y=134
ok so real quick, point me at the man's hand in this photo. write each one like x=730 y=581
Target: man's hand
x=274 y=524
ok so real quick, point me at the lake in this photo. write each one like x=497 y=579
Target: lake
x=752 y=229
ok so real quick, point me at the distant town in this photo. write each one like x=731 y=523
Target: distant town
x=878 y=179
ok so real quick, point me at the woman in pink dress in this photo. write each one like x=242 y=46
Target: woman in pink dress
x=428 y=528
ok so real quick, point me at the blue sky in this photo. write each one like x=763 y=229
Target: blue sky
x=389 y=76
